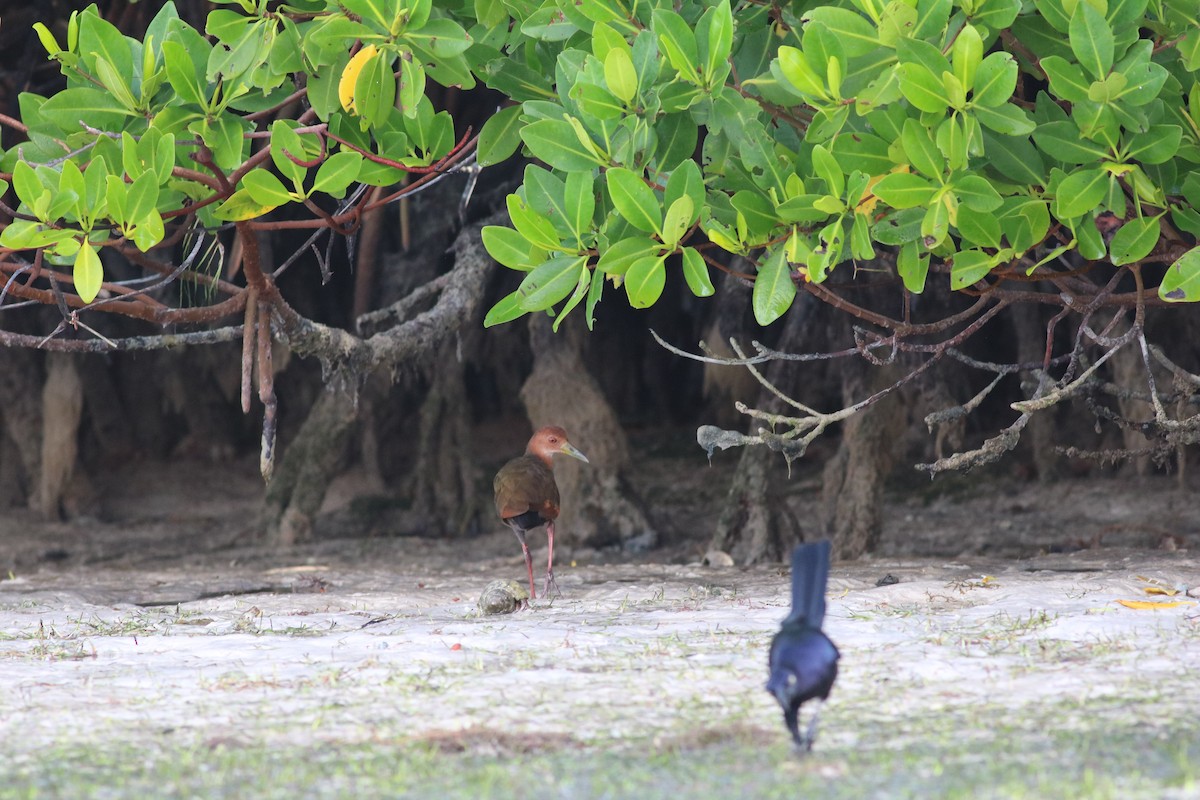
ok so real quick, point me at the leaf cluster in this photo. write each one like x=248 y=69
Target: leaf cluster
x=980 y=137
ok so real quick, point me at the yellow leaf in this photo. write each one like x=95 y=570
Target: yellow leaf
x=1160 y=590
x=1143 y=605
x=350 y=76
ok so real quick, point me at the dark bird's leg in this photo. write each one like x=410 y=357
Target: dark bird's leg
x=550 y=582
x=528 y=560
x=810 y=736
x=791 y=718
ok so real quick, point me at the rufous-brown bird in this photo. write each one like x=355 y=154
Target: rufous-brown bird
x=527 y=496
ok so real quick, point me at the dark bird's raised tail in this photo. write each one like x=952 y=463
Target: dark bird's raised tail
x=803 y=660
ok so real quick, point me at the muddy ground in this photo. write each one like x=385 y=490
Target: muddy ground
x=156 y=650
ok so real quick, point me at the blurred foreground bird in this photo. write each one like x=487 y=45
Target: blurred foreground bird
x=803 y=661
x=527 y=496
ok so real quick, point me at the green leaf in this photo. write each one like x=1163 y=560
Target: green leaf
x=284 y=142
x=88 y=273
x=912 y=266
x=935 y=225
x=581 y=289
x=47 y=39
x=115 y=83
x=580 y=201
x=596 y=101
x=240 y=206
x=677 y=221
x=551 y=282
x=617 y=259
x=595 y=291
x=899 y=227
x=1088 y=240
x=932 y=16
x=714 y=35
x=26 y=182
x=794 y=66
x=264 y=187
x=508 y=309
x=677 y=136
x=1080 y=192
x=977 y=192
x=1091 y=39
x=500 y=136
x=533 y=226
x=774 y=289
x=857 y=35
x=1006 y=119
x=1015 y=158
x=966 y=55
x=1157 y=145
x=1135 y=239
x=1067 y=80
x=224 y=136
x=1025 y=221
x=678 y=43
x=1182 y=281
x=70 y=181
x=508 y=247
x=904 y=190
x=116 y=194
x=411 y=87
x=828 y=169
x=95 y=179
x=443 y=38
x=980 y=228
x=548 y=24
x=921 y=151
x=634 y=200
x=337 y=173
x=143 y=197
x=554 y=141
x=22 y=234
x=922 y=89
x=620 y=75
x=860 y=238
x=644 y=281
x=914 y=51
x=969 y=267
x=686 y=181
x=1063 y=141
x=70 y=108
x=995 y=80
x=695 y=272
x=864 y=152
x=375 y=90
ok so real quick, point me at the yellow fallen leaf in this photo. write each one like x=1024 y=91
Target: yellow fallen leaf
x=1151 y=605
x=1161 y=590
x=350 y=76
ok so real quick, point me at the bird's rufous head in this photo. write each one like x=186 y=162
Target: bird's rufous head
x=550 y=441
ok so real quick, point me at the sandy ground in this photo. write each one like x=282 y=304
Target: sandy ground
x=370 y=642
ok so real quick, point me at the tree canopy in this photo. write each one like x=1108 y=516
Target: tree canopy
x=998 y=142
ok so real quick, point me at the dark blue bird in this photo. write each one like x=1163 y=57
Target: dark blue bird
x=803 y=660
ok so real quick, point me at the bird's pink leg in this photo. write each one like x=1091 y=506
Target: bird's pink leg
x=550 y=582
x=528 y=566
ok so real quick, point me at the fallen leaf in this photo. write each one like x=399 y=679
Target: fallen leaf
x=1161 y=590
x=1151 y=605
x=456 y=646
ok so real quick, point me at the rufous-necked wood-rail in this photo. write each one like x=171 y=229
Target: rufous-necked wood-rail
x=527 y=496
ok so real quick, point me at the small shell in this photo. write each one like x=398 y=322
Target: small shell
x=503 y=597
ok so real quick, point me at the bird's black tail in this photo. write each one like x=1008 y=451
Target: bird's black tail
x=810 y=572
